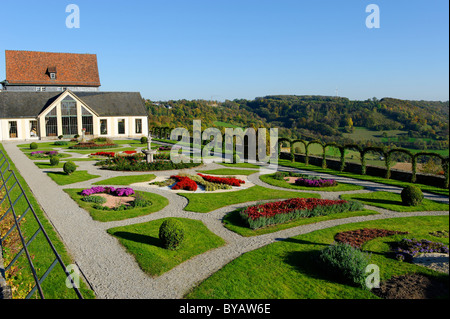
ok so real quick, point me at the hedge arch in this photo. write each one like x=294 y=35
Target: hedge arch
x=293 y=142
x=388 y=158
x=363 y=153
x=444 y=164
x=345 y=147
x=307 y=149
x=282 y=140
x=324 y=160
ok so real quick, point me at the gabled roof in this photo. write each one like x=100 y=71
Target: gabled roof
x=31 y=104
x=34 y=68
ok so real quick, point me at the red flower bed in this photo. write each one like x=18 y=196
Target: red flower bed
x=184 y=183
x=223 y=180
x=108 y=154
x=357 y=238
x=288 y=210
x=129 y=152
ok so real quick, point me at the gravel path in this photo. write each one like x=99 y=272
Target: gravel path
x=114 y=273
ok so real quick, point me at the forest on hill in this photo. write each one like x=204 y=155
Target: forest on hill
x=316 y=117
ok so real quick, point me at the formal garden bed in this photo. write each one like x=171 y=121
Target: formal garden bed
x=144 y=243
x=279 y=212
x=293 y=265
x=108 y=203
x=200 y=183
x=137 y=163
x=306 y=182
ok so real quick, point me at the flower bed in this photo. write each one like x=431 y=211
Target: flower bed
x=89 y=145
x=164 y=148
x=315 y=182
x=135 y=163
x=272 y=213
x=407 y=249
x=223 y=180
x=42 y=154
x=107 y=154
x=108 y=190
x=129 y=152
x=357 y=238
x=184 y=183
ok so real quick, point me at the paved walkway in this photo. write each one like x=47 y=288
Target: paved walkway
x=114 y=273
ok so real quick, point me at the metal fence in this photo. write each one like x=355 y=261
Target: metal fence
x=16 y=204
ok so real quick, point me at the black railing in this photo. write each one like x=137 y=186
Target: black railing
x=12 y=194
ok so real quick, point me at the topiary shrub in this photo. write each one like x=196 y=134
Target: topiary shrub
x=54 y=161
x=171 y=234
x=69 y=167
x=33 y=146
x=412 y=196
x=144 y=140
x=345 y=262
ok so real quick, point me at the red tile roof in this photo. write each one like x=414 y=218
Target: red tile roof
x=33 y=68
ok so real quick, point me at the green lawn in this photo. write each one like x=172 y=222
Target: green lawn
x=234 y=222
x=61 y=178
x=243 y=165
x=46 y=165
x=204 y=203
x=341 y=187
x=287 y=269
x=229 y=171
x=158 y=203
x=126 y=180
x=393 y=202
x=302 y=166
x=142 y=241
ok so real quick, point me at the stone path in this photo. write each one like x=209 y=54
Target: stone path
x=114 y=273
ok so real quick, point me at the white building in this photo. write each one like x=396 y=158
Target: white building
x=47 y=95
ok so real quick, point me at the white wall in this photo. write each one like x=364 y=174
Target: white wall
x=23 y=130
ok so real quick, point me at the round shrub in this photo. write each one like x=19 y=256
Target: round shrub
x=54 y=161
x=412 y=196
x=144 y=139
x=33 y=146
x=171 y=233
x=69 y=167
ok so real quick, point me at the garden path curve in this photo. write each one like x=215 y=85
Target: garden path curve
x=114 y=274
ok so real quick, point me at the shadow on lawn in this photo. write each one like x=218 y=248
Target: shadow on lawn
x=138 y=238
x=378 y=201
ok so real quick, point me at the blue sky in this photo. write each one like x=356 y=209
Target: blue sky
x=203 y=49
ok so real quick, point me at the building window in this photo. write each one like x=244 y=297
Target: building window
x=69 y=116
x=103 y=127
x=87 y=121
x=121 y=126
x=138 y=126
x=12 y=129
x=33 y=128
x=53 y=76
x=40 y=89
x=51 y=123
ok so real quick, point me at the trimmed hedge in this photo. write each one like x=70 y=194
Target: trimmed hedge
x=412 y=196
x=171 y=234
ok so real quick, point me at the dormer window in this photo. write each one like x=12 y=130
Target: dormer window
x=51 y=70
